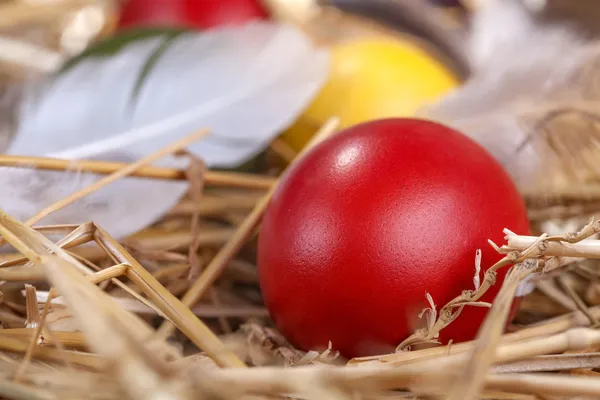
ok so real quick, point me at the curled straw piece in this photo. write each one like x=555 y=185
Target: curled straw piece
x=588 y=249
x=528 y=255
x=536 y=249
x=215 y=268
x=548 y=328
x=531 y=259
x=472 y=380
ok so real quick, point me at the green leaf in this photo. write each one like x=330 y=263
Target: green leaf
x=152 y=60
x=114 y=44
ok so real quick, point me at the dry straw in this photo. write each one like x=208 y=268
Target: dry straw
x=227 y=252
x=215 y=178
x=79 y=315
x=103 y=335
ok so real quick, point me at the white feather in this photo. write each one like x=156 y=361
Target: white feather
x=521 y=67
x=246 y=84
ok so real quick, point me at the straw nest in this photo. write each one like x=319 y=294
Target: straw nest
x=175 y=312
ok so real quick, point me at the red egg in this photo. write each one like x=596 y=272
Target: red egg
x=370 y=221
x=196 y=14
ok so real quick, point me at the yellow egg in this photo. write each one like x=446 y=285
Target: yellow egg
x=370 y=79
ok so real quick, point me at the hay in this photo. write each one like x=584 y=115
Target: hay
x=175 y=312
x=89 y=332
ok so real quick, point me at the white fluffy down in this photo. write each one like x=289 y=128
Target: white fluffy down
x=521 y=70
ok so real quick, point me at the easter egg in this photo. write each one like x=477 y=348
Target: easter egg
x=196 y=14
x=373 y=78
x=372 y=219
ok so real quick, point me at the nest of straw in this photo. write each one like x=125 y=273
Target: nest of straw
x=85 y=316
x=175 y=311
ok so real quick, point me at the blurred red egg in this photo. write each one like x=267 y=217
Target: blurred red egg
x=370 y=221
x=194 y=14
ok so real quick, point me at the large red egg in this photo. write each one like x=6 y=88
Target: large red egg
x=195 y=14
x=370 y=221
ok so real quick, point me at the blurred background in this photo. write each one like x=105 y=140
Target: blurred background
x=39 y=36
x=83 y=79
